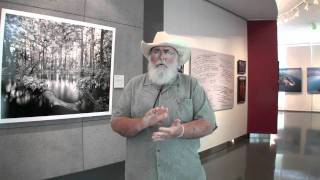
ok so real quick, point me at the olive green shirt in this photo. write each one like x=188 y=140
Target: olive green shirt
x=174 y=159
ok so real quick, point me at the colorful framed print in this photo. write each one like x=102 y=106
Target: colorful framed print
x=290 y=79
x=313 y=80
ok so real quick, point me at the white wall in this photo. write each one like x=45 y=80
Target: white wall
x=208 y=27
x=293 y=35
x=299 y=56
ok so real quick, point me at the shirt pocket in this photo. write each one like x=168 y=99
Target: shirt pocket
x=185 y=110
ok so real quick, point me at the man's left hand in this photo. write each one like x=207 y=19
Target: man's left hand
x=168 y=132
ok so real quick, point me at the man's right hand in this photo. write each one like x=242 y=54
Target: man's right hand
x=155 y=116
x=129 y=127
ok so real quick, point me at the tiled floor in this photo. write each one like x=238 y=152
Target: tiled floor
x=292 y=154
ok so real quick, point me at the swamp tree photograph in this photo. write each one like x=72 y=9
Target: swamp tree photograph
x=53 y=66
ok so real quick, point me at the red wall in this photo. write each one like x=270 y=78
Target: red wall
x=262 y=77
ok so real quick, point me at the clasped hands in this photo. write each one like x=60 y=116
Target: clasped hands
x=156 y=116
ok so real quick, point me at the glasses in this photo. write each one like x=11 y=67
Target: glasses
x=167 y=53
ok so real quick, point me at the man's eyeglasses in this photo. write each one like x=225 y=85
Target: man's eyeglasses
x=167 y=53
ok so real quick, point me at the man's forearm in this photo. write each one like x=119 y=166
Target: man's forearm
x=197 y=129
x=127 y=126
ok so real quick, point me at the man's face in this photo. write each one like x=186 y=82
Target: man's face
x=163 y=56
x=163 y=64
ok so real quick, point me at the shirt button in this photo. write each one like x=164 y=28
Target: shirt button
x=158 y=150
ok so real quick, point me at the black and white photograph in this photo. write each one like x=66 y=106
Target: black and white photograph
x=54 y=68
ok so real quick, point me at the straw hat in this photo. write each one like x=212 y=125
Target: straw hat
x=164 y=39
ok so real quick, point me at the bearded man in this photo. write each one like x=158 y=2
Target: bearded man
x=163 y=114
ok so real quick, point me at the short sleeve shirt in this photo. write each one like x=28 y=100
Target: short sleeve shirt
x=174 y=159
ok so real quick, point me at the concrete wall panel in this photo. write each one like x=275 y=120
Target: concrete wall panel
x=40 y=152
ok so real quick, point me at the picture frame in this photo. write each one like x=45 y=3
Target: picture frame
x=54 y=68
x=241 y=66
x=241 y=89
x=290 y=80
x=313 y=80
x=215 y=73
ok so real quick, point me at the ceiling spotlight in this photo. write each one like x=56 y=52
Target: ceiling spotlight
x=316 y=2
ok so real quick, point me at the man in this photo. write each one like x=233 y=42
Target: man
x=163 y=114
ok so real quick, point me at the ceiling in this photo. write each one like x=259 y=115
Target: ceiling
x=270 y=9
x=250 y=9
x=305 y=18
x=302 y=29
x=286 y=5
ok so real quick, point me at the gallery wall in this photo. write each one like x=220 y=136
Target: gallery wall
x=44 y=149
x=299 y=56
x=208 y=27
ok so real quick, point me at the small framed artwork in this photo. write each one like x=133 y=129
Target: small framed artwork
x=241 y=89
x=241 y=67
x=313 y=79
x=290 y=79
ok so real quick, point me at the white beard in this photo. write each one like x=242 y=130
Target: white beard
x=163 y=74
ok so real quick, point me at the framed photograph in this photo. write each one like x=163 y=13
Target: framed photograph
x=241 y=89
x=290 y=79
x=215 y=73
x=54 y=68
x=313 y=79
x=241 y=67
